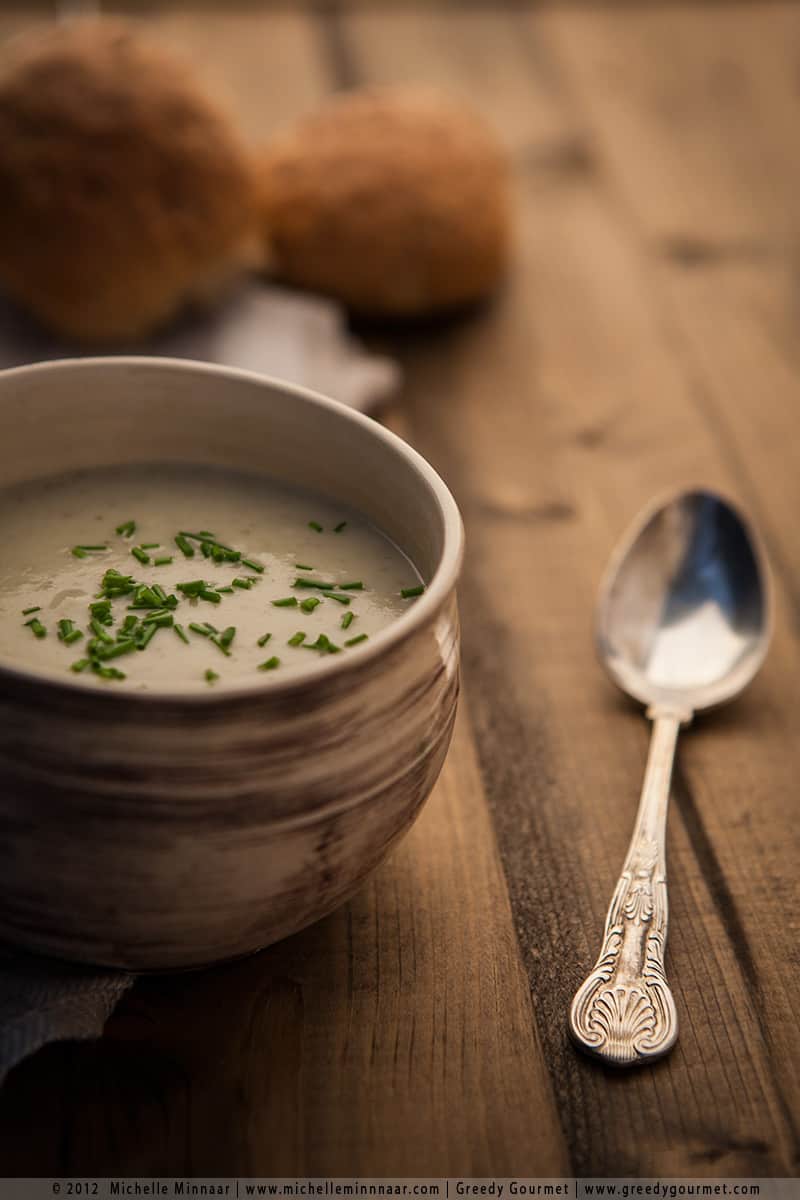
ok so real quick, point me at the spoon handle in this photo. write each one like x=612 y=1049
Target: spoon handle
x=624 y=1012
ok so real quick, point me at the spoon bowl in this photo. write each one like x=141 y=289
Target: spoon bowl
x=684 y=617
x=683 y=623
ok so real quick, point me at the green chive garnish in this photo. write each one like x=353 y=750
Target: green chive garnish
x=227 y=635
x=353 y=641
x=254 y=566
x=407 y=593
x=26 y=612
x=181 y=632
x=126 y=529
x=355 y=586
x=211 y=676
x=323 y=644
x=336 y=596
x=303 y=582
x=347 y=620
x=65 y=626
x=147 y=634
x=98 y=630
x=270 y=664
x=245 y=584
x=184 y=545
x=191 y=589
x=224 y=590
x=80 y=665
x=74 y=635
x=36 y=627
x=287 y=602
x=107 y=672
x=199 y=629
x=262 y=641
x=208 y=594
x=140 y=554
x=150 y=545
x=118 y=648
x=129 y=623
x=296 y=639
x=302 y=567
x=163 y=562
x=310 y=604
x=160 y=620
x=315 y=525
x=338 y=528
x=91 y=549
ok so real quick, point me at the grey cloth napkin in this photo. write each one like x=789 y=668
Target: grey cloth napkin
x=261 y=328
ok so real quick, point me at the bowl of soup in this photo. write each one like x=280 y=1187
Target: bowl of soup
x=228 y=656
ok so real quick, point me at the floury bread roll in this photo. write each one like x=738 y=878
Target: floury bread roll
x=393 y=200
x=125 y=190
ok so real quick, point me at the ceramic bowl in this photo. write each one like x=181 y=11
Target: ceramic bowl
x=156 y=831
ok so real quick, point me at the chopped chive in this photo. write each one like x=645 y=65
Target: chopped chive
x=74 y=635
x=147 y=634
x=296 y=639
x=142 y=555
x=65 y=626
x=218 y=643
x=270 y=664
x=163 y=562
x=262 y=641
x=126 y=529
x=353 y=641
x=26 y=612
x=211 y=628
x=355 y=586
x=407 y=593
x=158 y=590
x=181 y=632
x=101 y=610
x=36 y=627
x=310 y=604
x=315 y=525
x=336 y=596
x=347 y=620
x=227 y=635
x=323 y=644
x=150 y=545
x=211 y=676
x=287 y=602
x=184 y=545
x=202 y=535
x=160 y=620
x=118 y=649
x=78 y=552
x=245 y=584
x=302 y=567
x=191 y=589
x=79 y=665
x=253 y=565
x=206 y=548
x=208 y=594
x=107 y=672
x=224 y=590
x=91 y=549
x=129 y=623
x=303 y=582
x=199 y=629
x=338 y=528
x=98 y=630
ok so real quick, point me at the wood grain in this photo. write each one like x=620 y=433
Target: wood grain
x=645 y=339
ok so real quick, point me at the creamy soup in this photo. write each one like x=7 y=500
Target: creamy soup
x=171 y=577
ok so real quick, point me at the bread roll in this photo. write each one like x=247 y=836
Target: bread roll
x=125 y=189
x=394 y=200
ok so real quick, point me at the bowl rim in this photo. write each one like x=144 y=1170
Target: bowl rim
x=436 y=590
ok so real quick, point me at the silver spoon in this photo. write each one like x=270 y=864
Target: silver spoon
x=683 y=623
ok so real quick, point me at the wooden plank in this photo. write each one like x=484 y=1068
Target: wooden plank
x=556 y=414
x=730 y=308
x=395 y=1037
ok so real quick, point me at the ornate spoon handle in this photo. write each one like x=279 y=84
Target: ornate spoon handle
x=624 y=1012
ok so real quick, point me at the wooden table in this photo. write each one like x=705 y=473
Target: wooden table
x=649 y=337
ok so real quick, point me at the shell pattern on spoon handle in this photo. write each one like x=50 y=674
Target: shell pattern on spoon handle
x=624 y=1012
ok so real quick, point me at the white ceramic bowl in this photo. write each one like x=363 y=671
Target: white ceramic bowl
x=161 y=831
